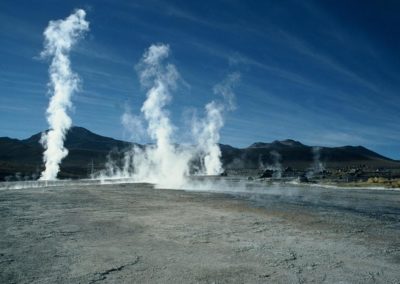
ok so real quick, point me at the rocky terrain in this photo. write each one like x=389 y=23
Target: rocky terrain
x=252 y=233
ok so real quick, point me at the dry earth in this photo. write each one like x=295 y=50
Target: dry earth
x=133 y=233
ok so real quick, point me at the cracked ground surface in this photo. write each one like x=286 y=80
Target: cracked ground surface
x=137 y=234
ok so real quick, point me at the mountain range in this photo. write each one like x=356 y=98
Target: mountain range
x=88 y=152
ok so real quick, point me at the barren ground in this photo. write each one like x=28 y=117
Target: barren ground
x=136 y=234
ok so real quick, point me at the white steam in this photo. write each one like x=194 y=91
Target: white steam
x=167 y=162
x=317 y=165
x=276 y=166
x=133 y=125
x=162 y=163
x=207 y=130
x=60 y=36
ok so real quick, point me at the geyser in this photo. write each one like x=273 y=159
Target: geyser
x=165 y=162
x=206 y=132
x=162 y=162
x=60 y=36
x=317 y=166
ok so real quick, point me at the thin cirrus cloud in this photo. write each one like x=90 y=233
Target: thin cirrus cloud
x=307 y=74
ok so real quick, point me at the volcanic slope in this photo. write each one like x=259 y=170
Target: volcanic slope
x=88 y=152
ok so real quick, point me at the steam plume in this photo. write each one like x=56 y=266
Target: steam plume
x=317 y=166
x=163 y=163
x=207 y=131
x=133 y=125
x=60 y=36
x=277 y=166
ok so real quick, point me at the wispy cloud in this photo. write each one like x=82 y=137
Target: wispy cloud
x=16 y=28
x=13 y=109
x=101 y=52
x=325 y=60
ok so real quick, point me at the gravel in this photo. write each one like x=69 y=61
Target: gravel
x=134 y=233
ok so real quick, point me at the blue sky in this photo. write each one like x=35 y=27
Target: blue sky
x=324 y=72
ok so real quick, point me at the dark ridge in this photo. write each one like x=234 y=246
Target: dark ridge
x=88 y=151
x=277 y=143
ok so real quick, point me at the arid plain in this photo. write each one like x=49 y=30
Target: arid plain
x=134 y=233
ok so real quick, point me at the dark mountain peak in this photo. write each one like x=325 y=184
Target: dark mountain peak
x=8 y=140
x=34 y=139
x=74 y=131
x=80 y=138
x=288 y=143
x=226 y=147
x=362 y=151
x=77 y=133
x=277 y=143
x=260 y=145
x=78 y=130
